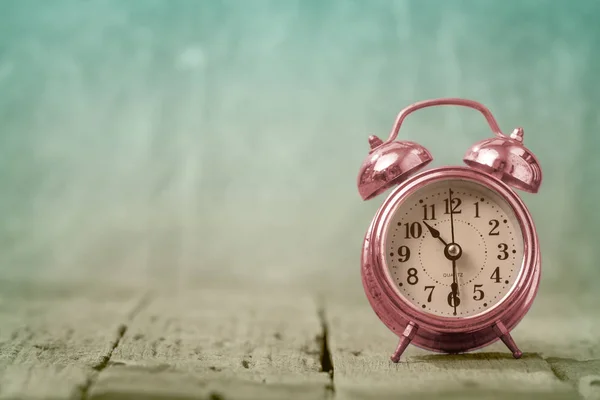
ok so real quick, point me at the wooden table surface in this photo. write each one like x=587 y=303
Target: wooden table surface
x=91 y=340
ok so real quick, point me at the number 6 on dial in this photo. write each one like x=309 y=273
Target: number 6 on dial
x=451 y=261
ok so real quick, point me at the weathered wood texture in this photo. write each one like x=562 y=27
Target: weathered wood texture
x=93 y=342
x=55 y=339
x=220 y=344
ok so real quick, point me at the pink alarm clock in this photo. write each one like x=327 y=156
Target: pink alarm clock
x=451 y=261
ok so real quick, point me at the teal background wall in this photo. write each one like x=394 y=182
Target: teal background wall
x=195 y=140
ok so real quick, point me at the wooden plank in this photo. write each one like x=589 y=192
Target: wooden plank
x=361 y=347
x=220 y=343
x=584 y=375
x=55 y=338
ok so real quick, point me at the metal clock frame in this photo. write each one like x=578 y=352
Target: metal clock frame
x=438 y=333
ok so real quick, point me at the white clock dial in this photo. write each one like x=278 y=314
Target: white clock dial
x=482 y=237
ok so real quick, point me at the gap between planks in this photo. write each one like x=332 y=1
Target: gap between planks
x=82 y=392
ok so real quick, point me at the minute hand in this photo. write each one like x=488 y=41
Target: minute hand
x=454 y=285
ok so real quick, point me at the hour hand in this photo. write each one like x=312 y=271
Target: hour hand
x=435 y=233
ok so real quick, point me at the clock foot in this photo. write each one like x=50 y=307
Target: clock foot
x=405 y=339
x=507 y=339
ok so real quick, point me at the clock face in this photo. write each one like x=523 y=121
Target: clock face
x=454 y=248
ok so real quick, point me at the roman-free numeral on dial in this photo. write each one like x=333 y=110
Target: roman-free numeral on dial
x=494 y=224
x=496 y=275
x=404 y=253
x=429 y=212
x=478 y=293
x=503 y=251
x=456 y=202
x=412 y=278
x=453 y=300
x=413 y=230
x=477 y=210
x=430 y=288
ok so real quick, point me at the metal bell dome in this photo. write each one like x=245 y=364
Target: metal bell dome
x=507 y=159
x=388 y=164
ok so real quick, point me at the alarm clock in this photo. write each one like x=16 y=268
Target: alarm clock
x=451 y=261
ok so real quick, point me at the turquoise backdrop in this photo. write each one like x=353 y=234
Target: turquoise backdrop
x=198 y=140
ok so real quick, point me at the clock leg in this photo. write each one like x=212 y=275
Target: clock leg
x=405 y=339
x=507 y=339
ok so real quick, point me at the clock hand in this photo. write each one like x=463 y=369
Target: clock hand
x=435 y=233
x=451 y=213
x=454 y=285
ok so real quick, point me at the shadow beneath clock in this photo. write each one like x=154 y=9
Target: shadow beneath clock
x=481 y=356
